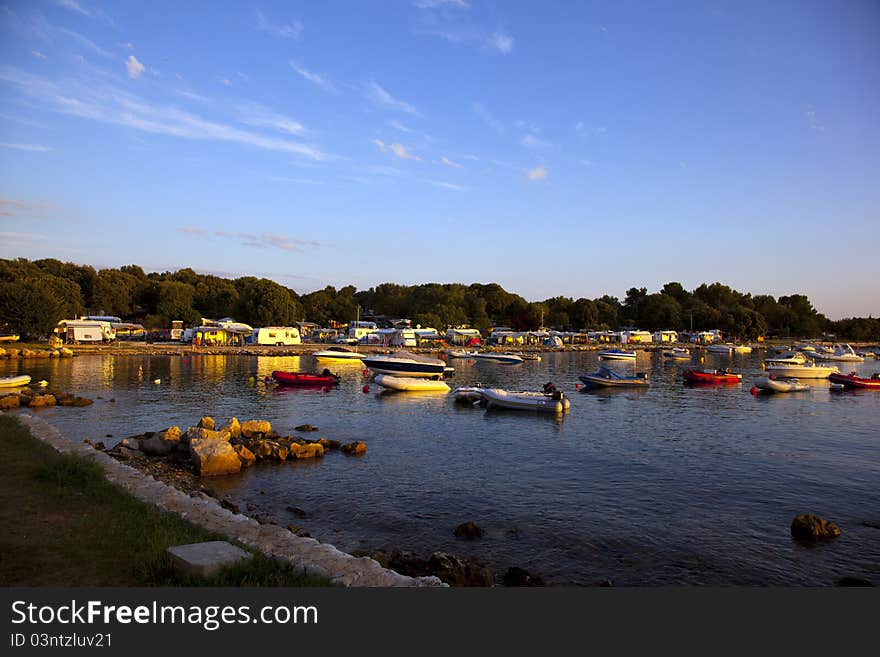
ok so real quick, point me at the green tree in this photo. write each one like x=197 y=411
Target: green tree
x=262 y=302
x=33 y=305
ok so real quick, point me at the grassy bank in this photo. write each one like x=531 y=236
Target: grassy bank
x=63 y=524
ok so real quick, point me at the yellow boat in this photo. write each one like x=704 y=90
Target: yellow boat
x=9 y=337
x=14 y=381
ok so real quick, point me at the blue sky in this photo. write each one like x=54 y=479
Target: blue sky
x=557 y=148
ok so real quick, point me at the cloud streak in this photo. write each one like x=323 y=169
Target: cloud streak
x=259 y=241
x=108 y=104
x=313 y=77
x=538 y=173
x=377 y=95
x=35 y=148
x=487 y=118
x=290 y=30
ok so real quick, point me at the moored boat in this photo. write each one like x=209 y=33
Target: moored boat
x=305 y=378
x=786 y=358
x=617 y=354
x=801 y=371
x=711 y=376
x=840 y=353
x=508 y=359
x=9 y=337
x=14 y=381
x=676 y=353
x=404 y=363
x=468 y=394
x=338 y=353
x=772 y=384
x=410 y=383
x=607 y=378
x=853 y=381
x=554 y=402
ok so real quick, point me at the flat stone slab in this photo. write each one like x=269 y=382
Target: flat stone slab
x=206 y=558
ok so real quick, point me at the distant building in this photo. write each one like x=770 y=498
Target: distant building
x=665 y=336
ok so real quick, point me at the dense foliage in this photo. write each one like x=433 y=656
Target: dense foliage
x=35 y=295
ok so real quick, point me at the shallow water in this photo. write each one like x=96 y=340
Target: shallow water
x=666 y=486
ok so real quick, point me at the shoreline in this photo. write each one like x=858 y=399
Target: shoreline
x=307 y=554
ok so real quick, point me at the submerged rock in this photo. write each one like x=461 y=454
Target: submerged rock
x=9 y=401
x=40 y=401
x=326 y=443
x=516 y=576
x=806 y=526
x=308 y=451
x=451 y=569
x=468 y=530
x=356 y=448
x=306 y=427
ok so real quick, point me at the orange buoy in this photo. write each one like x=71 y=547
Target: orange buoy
x=577 y=386
x=366 y=388
x=365 y=372
x=754 y=390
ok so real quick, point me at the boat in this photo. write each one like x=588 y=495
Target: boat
x=305 y=378
x=509 y=359
x=608 y=378
x=337 y=353
x=14 y=381
x=552 y=402
x=468 y=394
x=459 y=353
x=853 y=381
x=711 y=376
x=410 y=383
x=9 y=337
x=722 y=349
x=840 y=353
x=801 y=371
x=405 y=363
x=772 y=384
x=787 y=358
x=617 y=354
x=677 y=353
x=524 y=356
x=740 y=349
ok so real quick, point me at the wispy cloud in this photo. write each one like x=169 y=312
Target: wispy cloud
x=36 y=148
x=534 y=143
x=379 y=96
x=85 y=42
x=134 y=67
x=313 y=77
x=812 y=119
x=584 y=130
x=445 y=160
x=256 y=115
x=78 y=7
x=260 y=241
x=487 y=117
x=399 y=150
x=128 y=45
x=290 y=30
x=108 y=104
x=538 y=173
x=10 y=207
x=298 y=181
x=445 y=185
x=397 y=125
x=501 y=42
x=38 y=54
x=430 y=4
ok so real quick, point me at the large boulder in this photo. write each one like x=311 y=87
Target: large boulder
x=39 y=401
x=357 y=448
x=806 y=526
x=12 y=353
x=162 y=443
x=9 y=401
x=207 y=422
x=252 y=428
x=307 y=451
x=213 y=457
x=268 y=449
x=326 y=443
x=200 y=433
x=65 y=352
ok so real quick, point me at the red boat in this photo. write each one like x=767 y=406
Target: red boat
x=853 y=381
x=711 y=376
x=305 y=378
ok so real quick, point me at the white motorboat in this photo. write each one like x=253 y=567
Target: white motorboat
x=14 y=381
x=801 y=371
x=459 y=353
x=468 y=394
x=524 y=355
x=410 y=383
x=508 y=359
x=677 y=353
x=728 y=348
x=405 y=363
x=607 y=378
x=786 y=358
x=840 y=353
x=554 y=402
x=770 y=384
x=338 y=353
x=617 y=354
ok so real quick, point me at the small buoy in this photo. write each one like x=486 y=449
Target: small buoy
x=43 y=383
x=577 y=386
x=754 y=390
x=469 y=361
x=366 y=388
x=157 y=381
x=365 y=372
x=702 y=359
x=763 y=366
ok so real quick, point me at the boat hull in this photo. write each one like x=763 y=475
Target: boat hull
x=800 y=371
x=525 y=401
x=410 y=384
x=338 y=355
x=617 y=355
x=507 y=359
x=405 y=369
x=696 y=376
x=596 y=381
x=14 y=381
x=303 y=379
x=853 y=381
x=773 y=385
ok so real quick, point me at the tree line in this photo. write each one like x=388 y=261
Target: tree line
x=35 y=295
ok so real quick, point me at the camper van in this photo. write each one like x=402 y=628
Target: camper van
x=84 y=330
x=280 y=336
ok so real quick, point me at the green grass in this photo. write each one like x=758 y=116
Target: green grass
x=63 y=524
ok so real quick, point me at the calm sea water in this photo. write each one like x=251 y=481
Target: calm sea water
x=666 y=486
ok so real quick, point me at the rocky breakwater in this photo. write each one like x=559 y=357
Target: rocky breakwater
x=11 y=354
x=208 y=450
x=33 y=399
